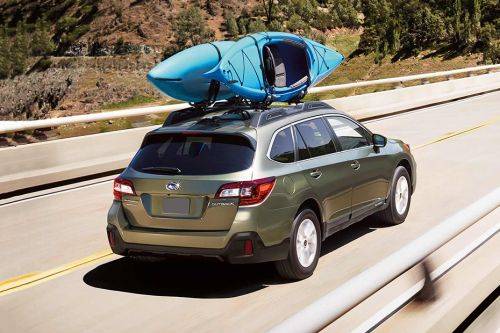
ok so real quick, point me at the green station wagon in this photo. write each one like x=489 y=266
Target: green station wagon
x=246 y=185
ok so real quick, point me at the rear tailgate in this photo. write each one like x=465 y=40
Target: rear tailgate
x=176 y=177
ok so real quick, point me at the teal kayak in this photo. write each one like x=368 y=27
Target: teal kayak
x=262 y=67
x=181 y=75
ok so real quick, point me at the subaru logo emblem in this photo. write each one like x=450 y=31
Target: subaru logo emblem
x=173 y=186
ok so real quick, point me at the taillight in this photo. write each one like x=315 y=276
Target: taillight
x=249 y=192
x=122 y=186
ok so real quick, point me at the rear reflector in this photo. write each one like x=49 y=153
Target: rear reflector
x=249 y=192
x=122 y=186
x=248 y=248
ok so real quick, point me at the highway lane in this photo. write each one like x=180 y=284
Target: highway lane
x=204 y=296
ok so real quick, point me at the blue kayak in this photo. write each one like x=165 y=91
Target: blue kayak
x=181 y=75
x=274 y=66
x=262 y=67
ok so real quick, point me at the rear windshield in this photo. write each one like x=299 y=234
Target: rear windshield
x=187 y=154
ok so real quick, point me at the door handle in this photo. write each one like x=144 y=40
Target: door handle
x=355 y=165
x=316 y=173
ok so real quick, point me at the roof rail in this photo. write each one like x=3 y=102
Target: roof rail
x=274 y=114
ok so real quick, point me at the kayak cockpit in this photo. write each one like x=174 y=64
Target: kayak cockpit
x=285 y=64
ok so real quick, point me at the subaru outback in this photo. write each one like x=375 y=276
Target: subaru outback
x=247 y=186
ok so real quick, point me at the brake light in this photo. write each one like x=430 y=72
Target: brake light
x=249 y=192
x=122 y=186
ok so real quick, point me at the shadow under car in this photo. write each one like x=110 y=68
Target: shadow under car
x=201 y=277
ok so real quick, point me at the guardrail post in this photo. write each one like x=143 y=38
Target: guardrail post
x=428 y=293
x=398 y=85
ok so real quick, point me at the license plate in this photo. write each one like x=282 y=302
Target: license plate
x=177 y=206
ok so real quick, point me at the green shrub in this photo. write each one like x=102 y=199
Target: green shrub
x=41 y=42
x=296 y=24
x=256 y=26
x=190 y=28
x=232 y=26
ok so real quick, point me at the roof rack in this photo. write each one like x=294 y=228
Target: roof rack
x=197 y=111
x=239 y=110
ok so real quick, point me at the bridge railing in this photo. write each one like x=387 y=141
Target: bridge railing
x=17 y=126
x=333 y=305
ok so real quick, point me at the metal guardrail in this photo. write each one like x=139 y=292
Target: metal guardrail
x=397 y=80
x=333 y=305
x=16 y=126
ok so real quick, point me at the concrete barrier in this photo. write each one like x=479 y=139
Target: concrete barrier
x=322 y=312
x=52 y=161
x=390 y=101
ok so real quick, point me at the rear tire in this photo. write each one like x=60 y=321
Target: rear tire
x=305 y=248
x=399 y=199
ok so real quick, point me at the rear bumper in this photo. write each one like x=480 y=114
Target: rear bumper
x=233 y=252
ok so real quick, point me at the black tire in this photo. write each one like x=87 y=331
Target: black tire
x=390 y=214
x=291 y=268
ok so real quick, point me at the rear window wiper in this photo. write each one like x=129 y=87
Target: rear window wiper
x=165 y=170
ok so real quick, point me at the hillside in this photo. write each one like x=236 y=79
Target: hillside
x=99 y=55
x=60 y=58
x=91 y=27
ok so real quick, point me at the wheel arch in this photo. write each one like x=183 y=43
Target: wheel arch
x=313 y=204
x=407 y=165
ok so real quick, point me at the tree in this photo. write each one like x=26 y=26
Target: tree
x=20 y=50
x=231 y=26
x=379 y=21
x=490 y=43
x=5 y=63
x=190 y=28
x=346 y=13
x=296 y=24
x=457 y=19
x=275 y=26
x=268 y=9
x=210 y=7
x=41 y=43
x=476 y=17
x=242 y=26
x=256 y=26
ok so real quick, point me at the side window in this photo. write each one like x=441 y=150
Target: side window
x=282 y=149
x=301 y=146
x=316 y=137
x=349 y=134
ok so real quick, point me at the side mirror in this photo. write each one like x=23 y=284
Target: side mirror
x=379 y=141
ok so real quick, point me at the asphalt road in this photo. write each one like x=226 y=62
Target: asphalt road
x=456 y=148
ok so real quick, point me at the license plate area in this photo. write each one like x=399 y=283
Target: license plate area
x=173 y=206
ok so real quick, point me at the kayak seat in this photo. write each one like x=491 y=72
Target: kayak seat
x=285 y=65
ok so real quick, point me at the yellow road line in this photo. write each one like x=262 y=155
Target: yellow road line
x=453 y=134
x=32 y=279
x=25 y=281
x=17 y=278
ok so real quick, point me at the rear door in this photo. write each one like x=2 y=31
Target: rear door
x=327 y=172
x=369 y=182
x=177 y=175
